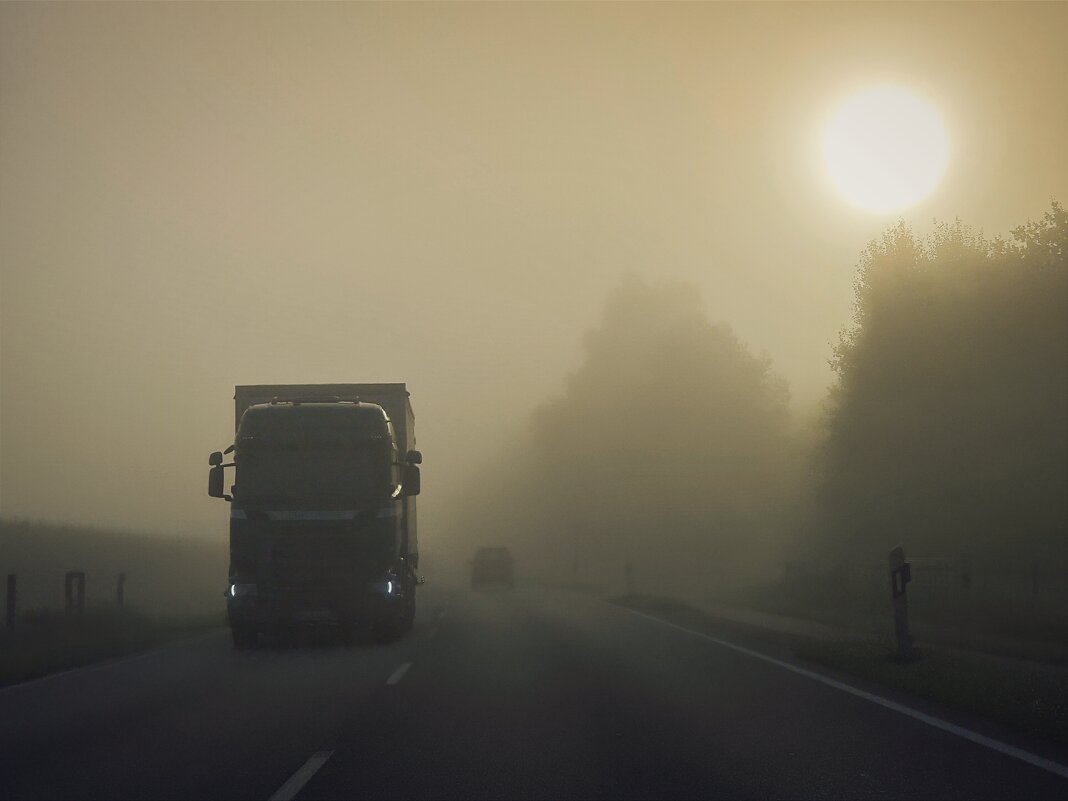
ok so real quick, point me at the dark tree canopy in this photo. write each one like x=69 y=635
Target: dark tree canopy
x=949 y=426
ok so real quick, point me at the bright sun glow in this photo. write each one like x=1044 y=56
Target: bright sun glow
x=885 y=149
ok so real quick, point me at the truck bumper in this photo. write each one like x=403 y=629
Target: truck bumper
x=271 y=610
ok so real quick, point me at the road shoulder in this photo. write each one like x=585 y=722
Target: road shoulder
x=1023 y=702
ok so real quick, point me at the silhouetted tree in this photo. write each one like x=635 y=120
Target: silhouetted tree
x=668 y=448
x=948 y=428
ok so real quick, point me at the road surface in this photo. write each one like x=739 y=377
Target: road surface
x=530 y=693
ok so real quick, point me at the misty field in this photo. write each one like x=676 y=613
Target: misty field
x=164 y=575
x=172 y=588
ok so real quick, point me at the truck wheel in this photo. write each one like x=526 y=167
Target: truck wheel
x=409 y=613
x=245 y=637
x=392 y=627
x=389 y=630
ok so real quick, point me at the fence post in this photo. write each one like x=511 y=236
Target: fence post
x=72 y=603
x=11 y=598
x=900 y=575
x=120 y=590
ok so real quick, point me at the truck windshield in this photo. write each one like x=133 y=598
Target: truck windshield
x=333 y=454
x=313 y=424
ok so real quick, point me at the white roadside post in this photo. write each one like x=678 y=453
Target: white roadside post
x=900 y=576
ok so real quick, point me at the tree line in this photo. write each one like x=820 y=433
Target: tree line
x=671 y=447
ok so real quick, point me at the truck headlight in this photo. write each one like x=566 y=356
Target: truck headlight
x=386 y=587
x=242 y=590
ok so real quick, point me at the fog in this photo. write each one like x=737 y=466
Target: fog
x=670 y=456
x=197 y=196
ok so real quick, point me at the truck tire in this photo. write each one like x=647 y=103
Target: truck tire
x=409 y=613
x=245 y=637
x=392 y=627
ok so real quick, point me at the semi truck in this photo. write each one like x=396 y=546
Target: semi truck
x=322 y=510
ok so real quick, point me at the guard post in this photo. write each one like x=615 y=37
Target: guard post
x=74 y=591
x=11 y=598
x=900 y=576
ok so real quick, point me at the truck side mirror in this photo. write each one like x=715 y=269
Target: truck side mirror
x=409 y=480
x=216 y=481
x=215 y=459
x=414 y=457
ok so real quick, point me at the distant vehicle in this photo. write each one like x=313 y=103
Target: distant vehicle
x=492 y=566
x=322 y=516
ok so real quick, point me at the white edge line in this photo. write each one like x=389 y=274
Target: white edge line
x=295 y=783
x=996 y=745
x=398 y=674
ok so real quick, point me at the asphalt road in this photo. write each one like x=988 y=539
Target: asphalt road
x=527 y=693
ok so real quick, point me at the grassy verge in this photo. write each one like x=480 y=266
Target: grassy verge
x=678 y=611
x=974 y=623
x=824 y=603
x=1026 y=697
x=47 y=642
x=1029 y=697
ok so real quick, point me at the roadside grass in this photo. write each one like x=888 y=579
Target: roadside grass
x=1029 y=697
x=974 y=623
x=651 y=603
x=678 y=611
x=823 y=603
x=46 y=642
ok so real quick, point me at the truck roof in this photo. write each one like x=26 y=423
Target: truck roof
x=394 y=398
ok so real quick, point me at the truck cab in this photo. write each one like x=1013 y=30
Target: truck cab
x=322 y=517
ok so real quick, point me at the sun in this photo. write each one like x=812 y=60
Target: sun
x=885 y=149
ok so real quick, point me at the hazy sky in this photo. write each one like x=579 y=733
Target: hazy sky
x=194 y=196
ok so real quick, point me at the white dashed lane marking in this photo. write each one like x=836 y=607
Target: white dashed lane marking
x=295 y=783
x=398 y=674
